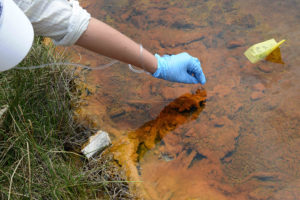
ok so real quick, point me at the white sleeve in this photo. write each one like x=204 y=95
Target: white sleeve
x=62 y=20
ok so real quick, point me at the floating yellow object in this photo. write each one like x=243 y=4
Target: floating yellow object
x=261 y=50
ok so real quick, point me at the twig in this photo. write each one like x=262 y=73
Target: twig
x=12 y=176
x=70 y=152
x=29 y=168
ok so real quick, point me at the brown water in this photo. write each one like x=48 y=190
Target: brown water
x=237 y=137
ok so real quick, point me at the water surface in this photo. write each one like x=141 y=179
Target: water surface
x=237 y=137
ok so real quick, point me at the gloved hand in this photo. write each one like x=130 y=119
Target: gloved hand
x=182 y=68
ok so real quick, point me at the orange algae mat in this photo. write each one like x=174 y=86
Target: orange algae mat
x=237 y=137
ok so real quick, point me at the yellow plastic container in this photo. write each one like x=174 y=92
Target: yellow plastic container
x=261 y=50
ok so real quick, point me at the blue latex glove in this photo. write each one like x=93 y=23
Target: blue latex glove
x=182 y=68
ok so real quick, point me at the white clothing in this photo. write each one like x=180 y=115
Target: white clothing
x=62 y=20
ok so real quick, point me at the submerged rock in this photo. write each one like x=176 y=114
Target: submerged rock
x=235 y=43
x=264 y=68
x=259 y=87
x=256 y=95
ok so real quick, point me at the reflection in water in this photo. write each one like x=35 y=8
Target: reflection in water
x=245 y=144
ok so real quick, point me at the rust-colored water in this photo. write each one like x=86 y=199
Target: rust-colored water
x=238 y=137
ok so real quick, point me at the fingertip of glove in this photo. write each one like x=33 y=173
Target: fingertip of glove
x=203 y=82
x=190 y=80
x=202 y=79
x=199 y=72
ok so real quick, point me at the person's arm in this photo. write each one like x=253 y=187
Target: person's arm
x=67 y=23
x=105 y=40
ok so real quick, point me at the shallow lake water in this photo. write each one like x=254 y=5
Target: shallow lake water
x=236 y=137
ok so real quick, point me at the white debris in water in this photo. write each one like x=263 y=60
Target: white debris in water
x=96 y=143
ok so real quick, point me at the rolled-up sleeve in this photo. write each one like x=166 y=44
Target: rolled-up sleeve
x=62 y=20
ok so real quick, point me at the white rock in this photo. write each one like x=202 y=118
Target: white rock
x=3 y=110
x=96 y=143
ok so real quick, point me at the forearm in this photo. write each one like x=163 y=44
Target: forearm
x=105 y=40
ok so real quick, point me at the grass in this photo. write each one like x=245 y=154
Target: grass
x=39 y=140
